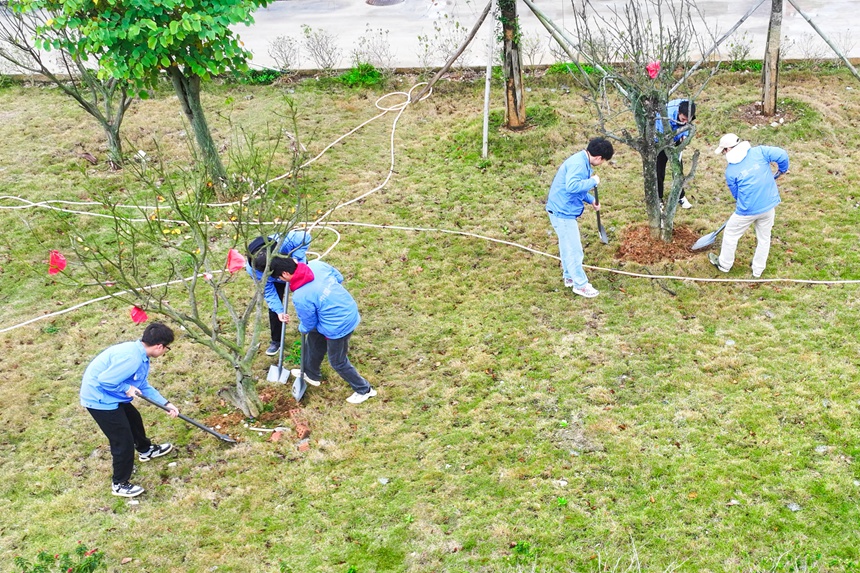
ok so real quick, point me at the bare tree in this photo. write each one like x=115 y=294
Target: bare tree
x=374 y=48
x=106 y=100
x=168 y=256
x=285 y=51
x=628 y=62
x=322 y=47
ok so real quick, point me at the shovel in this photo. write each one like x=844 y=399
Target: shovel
x=709 y=239
x=299 y=384
x=600 y=230
x=222 y=437
x=277 y=373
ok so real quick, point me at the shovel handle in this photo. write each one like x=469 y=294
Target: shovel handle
x=190 y=421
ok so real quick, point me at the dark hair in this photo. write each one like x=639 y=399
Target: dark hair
x=600 y=147
x=280 y=265
x=157 y=333
x=687 y=108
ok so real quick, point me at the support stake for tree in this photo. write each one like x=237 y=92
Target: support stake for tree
x=456 y=54
x=826 y=39
x=490 y=38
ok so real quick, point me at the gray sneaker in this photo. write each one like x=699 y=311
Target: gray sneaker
x=273 y=349
x=155 y=451
x=126 y=489
x=715 y=260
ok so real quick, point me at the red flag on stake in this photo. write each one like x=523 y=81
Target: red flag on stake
x=138 y=315
x=235 y=261
x=56 y=263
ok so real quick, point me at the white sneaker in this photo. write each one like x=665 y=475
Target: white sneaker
x=126 y=489
x=568 y=283
x=587 y=291
x=685 y=204
x=357 y=398
x=296 y=372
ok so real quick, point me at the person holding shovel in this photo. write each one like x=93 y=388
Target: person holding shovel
x=568 y=195
x=109 y=384
x=679 y=112
x=753 y=185
x=295 y=245
x=328 y=315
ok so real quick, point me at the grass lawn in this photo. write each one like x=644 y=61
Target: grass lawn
x=665 y=425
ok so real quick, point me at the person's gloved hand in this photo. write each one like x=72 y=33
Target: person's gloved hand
x=596 y=179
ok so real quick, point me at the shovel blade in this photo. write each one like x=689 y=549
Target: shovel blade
x=705 y=241
x=279 y=375
x=299 y=388
x=602 y=233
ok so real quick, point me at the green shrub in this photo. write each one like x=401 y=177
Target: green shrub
x=83 y=560
x=569 y=68
x=363 y=75
x=261 y=77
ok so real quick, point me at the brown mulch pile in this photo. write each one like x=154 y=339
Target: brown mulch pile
x=638 y=246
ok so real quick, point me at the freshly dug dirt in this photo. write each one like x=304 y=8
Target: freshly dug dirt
x=638 y=246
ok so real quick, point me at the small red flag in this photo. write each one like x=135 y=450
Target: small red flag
x=653 y=69
x=235 y=261
x=56 y=263
x=138 y=315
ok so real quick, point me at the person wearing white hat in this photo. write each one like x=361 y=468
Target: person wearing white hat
x=753 y=185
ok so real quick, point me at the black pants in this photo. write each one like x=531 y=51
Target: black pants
x=125 y=433
x=662 y=161
x=275 y=323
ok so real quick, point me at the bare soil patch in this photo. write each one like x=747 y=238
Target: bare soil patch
x=638 y=246
x=751 y=114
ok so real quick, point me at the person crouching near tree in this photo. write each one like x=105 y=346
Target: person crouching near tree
x=328 y=315
x=110 y=383
x=568 y=195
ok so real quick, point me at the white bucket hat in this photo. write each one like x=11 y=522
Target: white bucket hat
x=727 y=141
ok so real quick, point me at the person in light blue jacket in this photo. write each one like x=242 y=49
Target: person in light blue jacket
x=566 y=201
x=295 y=245
x=753 y=185
x=110 y=382
x=328 y=315
x=679 y=113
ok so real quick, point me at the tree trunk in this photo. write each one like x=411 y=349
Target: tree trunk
x=515 y=106
x=188 y=90
x=244 y=395
x=645 y=108
x=114 y=144
x=770 y=70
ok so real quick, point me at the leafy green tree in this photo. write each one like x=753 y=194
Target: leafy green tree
x=138 y=40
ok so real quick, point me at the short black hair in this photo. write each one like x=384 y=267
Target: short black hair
x=280 y=265
x=687 y=108
x=157 y=333
x=600 y=147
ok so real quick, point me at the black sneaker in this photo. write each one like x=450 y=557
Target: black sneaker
x=273 y=349
x=126 y=489
x=155 y=451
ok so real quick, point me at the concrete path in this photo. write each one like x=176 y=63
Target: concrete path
x=349 y=20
